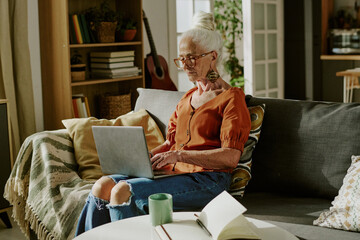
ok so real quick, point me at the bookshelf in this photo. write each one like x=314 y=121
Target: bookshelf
x=56 y=51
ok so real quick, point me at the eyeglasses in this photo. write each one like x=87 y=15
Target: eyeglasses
x=190 y=60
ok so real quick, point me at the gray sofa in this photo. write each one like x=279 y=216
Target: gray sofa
x=298 y=166
x=299 y=163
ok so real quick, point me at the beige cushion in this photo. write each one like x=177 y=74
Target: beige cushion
x=84 y=146
x=345 y=211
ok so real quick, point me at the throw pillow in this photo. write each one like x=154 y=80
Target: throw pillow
x=84 y=146
x=345 y=211
x=241 y=175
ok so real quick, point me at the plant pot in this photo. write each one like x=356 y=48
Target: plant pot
x=106 y=32
x=128 y=35
x=78 y=72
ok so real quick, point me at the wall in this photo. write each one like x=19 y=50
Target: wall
x=157 y=14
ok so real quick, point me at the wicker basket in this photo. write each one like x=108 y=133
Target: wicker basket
x=106 y=32
x=112 y=106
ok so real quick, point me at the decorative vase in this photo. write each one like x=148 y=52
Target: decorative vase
x=106 y=32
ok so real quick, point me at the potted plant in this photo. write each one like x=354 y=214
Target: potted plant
x=228 y=19
x=77 y=67
x=105 y=21
x=128 y=30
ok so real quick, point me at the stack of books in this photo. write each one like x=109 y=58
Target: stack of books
x=80 y=30
x=113 y=64
x=80 y=106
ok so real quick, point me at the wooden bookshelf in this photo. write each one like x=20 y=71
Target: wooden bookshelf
x=56 y=52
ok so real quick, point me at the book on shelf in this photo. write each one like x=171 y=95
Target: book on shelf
x=220 y=219
x=91 y=32
x=80 y=106
x=72 y=33
x=117 y=75
x=113 y=54
x=115 y=70
x=79 y=38
x=111 y=65
x=111 y=60
x=84 y=28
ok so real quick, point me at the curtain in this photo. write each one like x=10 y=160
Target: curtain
x=15 y=69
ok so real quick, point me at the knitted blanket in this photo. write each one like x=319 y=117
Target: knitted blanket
x=44 y=188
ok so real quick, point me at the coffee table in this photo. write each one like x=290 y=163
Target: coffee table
x=140 y=228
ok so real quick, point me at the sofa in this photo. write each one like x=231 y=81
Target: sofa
x=299 y=165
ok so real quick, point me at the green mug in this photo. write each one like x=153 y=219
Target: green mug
x=160 y=208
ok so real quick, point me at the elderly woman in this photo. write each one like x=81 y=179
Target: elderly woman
x=205 y=139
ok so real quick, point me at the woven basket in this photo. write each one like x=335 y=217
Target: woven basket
x=112 y=106
x=106 y=32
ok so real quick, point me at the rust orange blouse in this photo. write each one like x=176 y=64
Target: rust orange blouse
x=224 y=121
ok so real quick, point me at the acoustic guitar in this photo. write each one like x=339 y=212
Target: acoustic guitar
x=156 y=69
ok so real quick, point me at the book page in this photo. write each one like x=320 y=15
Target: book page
x=180 y=230
x=220 y=212
x=240 y=226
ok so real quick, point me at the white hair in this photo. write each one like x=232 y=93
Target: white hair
x=203 y=33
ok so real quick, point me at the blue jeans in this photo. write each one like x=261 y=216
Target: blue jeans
x=190 y=192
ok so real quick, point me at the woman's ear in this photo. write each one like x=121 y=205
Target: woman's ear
x=214 y=55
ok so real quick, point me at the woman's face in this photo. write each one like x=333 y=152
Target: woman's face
x=202 y=65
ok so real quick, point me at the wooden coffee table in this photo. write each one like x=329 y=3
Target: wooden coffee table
x=140 y=228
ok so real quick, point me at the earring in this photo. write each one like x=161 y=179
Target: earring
x=212 y=76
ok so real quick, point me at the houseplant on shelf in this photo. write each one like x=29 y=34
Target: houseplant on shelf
x=228 y=19
x=77 y=67
x=104 y=21
x=128 y=30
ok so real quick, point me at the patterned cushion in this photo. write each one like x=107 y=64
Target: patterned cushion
x=242 y=173
x=345 y=211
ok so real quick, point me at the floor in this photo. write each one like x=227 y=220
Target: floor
x=13 y=233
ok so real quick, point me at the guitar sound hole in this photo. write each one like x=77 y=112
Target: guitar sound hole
x=159 y=72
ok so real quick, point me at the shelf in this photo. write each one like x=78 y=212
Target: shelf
x=56 y=59
x=94 y=45
x=101 y=81
x=340 y=57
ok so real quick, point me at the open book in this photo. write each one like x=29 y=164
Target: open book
x=220 y=219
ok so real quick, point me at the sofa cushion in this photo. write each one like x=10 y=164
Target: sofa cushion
x=80 y=130
x=242 y=173
x=161 y=104
x=307 y=232
x=345 y=210
x=283 y=207
x=305 y=147
x=294 y=214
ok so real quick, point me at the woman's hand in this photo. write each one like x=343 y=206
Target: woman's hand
x=162 y=159
x=206 y=91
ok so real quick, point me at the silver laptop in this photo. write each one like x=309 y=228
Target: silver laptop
x=123 y=150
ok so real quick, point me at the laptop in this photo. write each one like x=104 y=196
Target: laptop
x=123 y=150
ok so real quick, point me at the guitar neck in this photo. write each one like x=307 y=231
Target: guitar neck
x=151 y=42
